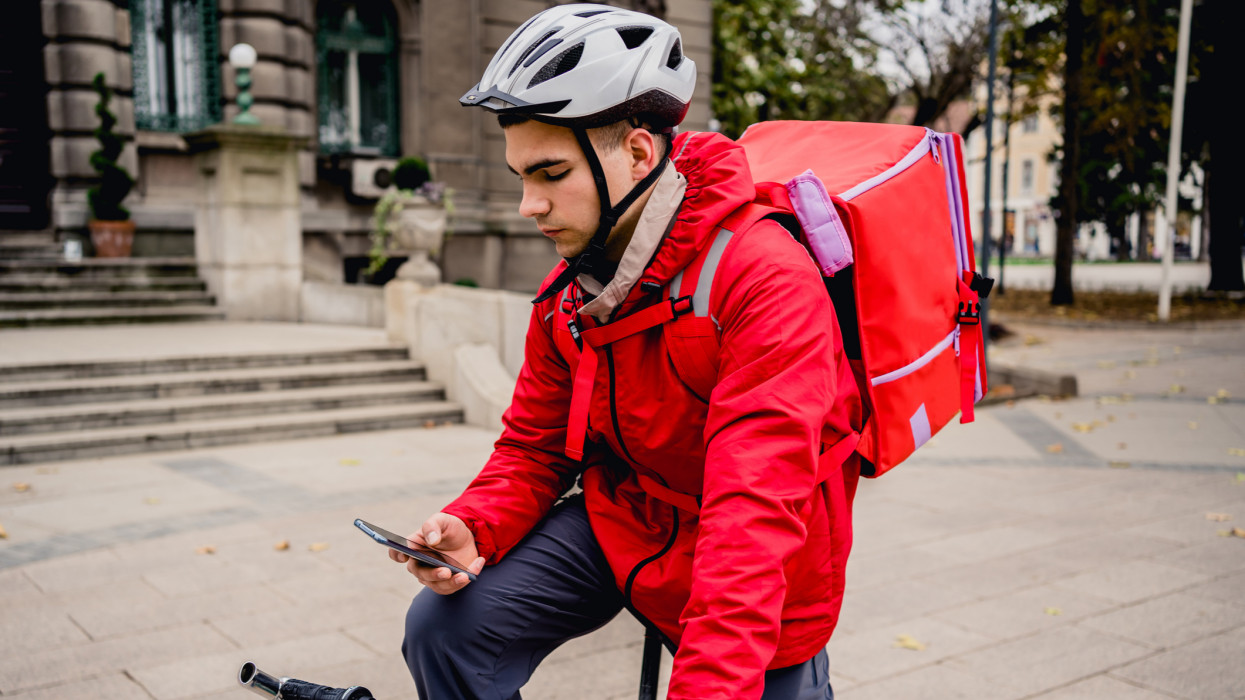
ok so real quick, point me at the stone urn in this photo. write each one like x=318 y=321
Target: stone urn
x=112 y=239
x=418 y=235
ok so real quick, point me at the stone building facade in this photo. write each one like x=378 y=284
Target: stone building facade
x=366 y=81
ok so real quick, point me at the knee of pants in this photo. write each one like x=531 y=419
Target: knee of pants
x=428 y=620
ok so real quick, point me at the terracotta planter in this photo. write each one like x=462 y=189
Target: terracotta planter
x=112 y=239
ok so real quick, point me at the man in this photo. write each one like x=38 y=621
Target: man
x=716 y=508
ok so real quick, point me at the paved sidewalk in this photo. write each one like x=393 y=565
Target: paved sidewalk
x=1054 y=550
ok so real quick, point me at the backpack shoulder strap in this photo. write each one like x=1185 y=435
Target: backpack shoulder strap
x=693 y=339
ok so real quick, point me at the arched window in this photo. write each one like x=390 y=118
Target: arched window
x=176 y=70
x=358 y=77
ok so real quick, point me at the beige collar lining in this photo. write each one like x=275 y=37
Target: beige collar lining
x=654 y=221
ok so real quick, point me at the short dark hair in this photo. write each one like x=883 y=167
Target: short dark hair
x=608 y=137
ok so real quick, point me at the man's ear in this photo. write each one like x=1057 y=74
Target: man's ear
x=642 y=152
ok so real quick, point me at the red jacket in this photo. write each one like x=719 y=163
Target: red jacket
x=755 y=579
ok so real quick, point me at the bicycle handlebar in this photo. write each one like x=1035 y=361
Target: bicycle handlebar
x=293 y=689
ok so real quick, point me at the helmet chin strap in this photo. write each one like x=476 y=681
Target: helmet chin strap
x=593 y=257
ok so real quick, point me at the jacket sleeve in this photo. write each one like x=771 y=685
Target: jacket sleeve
x=528 y=470
x=776 y=385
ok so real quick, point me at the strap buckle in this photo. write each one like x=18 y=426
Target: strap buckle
x=681 y=306
x=574 y=328
x=981 y=285
x=969 y=313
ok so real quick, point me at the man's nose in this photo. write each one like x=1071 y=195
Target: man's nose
x=533 y=204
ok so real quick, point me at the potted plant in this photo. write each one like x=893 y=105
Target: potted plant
x=410 y=219
x=112 y=230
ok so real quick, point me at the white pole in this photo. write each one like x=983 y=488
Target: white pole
x=1173 y=161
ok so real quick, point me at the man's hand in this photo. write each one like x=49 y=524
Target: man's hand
x=449 y=534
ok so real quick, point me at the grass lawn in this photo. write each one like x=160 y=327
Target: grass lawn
x=1020 y=304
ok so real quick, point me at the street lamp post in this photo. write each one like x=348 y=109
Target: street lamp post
x=1173 y=161
x=242 y=57
x=987 y=210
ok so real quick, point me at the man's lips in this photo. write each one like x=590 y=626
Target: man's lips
x=550 y=232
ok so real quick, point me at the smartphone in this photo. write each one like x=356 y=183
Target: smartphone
x=421 y=553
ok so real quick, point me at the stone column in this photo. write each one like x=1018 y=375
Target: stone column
x=248 y=234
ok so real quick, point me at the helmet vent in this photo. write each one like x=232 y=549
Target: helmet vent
x=591 y=13
x=528 y=51
x=634 y=36
x=676 y=55
x=563 y=63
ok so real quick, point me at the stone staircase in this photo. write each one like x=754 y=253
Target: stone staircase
x=93 y=409
x=38 y=288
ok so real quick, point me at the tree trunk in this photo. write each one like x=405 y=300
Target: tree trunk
x=1069 y=168
x=1144 y=251
x=1202 y=255
x=1227 y=230
x=1119 y=234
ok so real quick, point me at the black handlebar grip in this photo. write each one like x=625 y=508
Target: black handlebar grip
x=294 y=689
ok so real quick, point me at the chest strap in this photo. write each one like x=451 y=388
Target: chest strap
x=598 y=337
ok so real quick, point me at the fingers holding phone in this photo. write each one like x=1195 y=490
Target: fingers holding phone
x=433 y=553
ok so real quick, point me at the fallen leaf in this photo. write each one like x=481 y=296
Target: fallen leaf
x=1238 y=532
x=1109 y=400
x=1053 y=611
x=1003 y=390
x=1236 y=451
x=1126 y=397
x=1218 y=517
x=21 y=487
x=282 y=545
x=1106 y=364
x=1110 y=418
x=1240 y=476
x=1097 y=424
x=151 y=501
x=1122 y=445
x=1223 y=394
x=1192 y=425
x=1058 y=415
x=1175 y=389
x=906 y=641
x=350 y=462
x=1177 y=350
x=1130 y=374
x=1116 y=464
x=206 y=549
x=430 y=424
x=1152 y=362
x=1055 y=448
x=1082 y=427
x=1224 y=533
x=1212 y=400
x=4 y=534
x=1031 y=339
x=318 y=546
x=1010 y=403
x=47 y=470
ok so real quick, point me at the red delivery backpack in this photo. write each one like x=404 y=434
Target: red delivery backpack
x=883 y=209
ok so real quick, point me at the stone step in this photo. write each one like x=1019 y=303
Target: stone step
x=101 y=416
x=41 y=251
x=26 y=282
x=181 y=384
x=28 y=449
x=12 y=301
x=103 y=268
x=196 y=363
x=97 y=316
x=27 y=238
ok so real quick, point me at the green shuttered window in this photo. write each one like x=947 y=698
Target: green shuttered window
x=176 y=64
x=358 y=97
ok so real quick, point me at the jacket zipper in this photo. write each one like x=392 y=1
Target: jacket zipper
x=674 y=512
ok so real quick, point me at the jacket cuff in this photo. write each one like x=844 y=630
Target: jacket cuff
x=480 y=530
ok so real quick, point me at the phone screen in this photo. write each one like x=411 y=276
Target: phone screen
x=421 y=553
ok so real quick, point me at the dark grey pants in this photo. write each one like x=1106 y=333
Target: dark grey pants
x=485 y=641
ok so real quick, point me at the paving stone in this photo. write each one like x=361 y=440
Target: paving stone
x=1209 y=669
x=1024 y=612
x=988 y=544
x=869 y=569
x=1190 y=528
x=112 y=686
x=1170 y=620
x=26 y=630
x=299 y=657
x=1048 y=659
x=1228 y=589
x=1218 y=556
x=387 y=677
x=937 y=682
x=14 y=583
x=111 y=621
x=1102 y=688
x=867 y=609
x=1131 y=581
x=873 y=654
x=207 y=574
x=1094 y=551
x=317 y=616
x=88 y=569
x=125 y=653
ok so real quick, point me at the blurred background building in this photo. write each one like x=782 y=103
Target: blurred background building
x=366 y=81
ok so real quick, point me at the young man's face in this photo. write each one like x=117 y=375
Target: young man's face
x=558 y=189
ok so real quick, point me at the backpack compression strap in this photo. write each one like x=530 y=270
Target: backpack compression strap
x=971 y=344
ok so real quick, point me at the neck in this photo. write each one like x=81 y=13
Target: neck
x=620 y=237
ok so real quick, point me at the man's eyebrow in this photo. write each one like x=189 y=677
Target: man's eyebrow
x=549 y=163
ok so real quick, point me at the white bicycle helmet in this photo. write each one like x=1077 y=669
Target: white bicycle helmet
x=584 y=66
x=589 y=65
